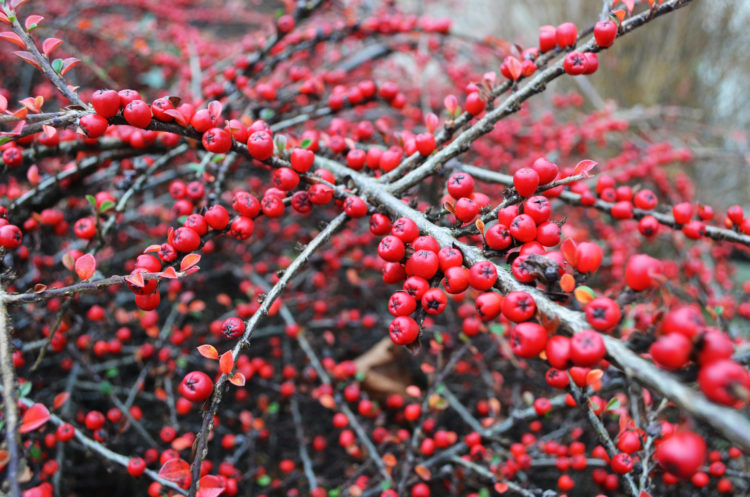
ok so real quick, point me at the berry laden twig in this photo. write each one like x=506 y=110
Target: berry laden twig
x=10 y=412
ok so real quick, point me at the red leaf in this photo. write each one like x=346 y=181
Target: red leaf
x=60 y=400
x=169 y=273
x=85 y=266
x=35 y=417
x=152 y=248
x=14 y=4
x=237 y=379
x=501 y=487
x=214 y=108
x=569 y=251
x=136 y=280
x=3 y=104
x=630 y=4
x=4 y=18
x=189 y=261
x=208 y=351
x=620 y=14
x=49 y=131
x=28 y=57
x=583 y=168
x=210 y=486
x=32 y=20
x=178 y=117
x=451 y=104
x=50 y=44
x=515 y=68
x=68 y=64
x=174 y=470
x=13 y=38
x=192 y=270
x=32 y=104
x=226 y=362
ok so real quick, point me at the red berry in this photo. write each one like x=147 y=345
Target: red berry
x=587 y=348
x=137 y=113
x=403 y=330
x=605 y=32
x=575 y=63
x=640 y=272
x=217 y=140
x=136 y=466
x=106 y=103
x=260 y=145
x=528 y=340
x=681 y=453
x=621 y=463
x=671 y=351
x=566 y=34
x=196 y=386
x=526 y=181
x=93 y=125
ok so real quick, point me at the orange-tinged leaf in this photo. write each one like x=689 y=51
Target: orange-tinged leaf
x=226 y=362
x=4 y=458
x=423 y=472
x=136 y=280
x=414 y=391
x=39 y=288
x=160 y=394
x=182 y=443
x=152 y=248
x=237 y=379
x=68 y=64
x=4 y=18
x=50 y=44
x=177 y=116
x=567 y=283
x=34 y=417
x=427 y=368
x=620 y=15
x=389 y=460
x=569 y=252
x=28 y=57
x=32 y=21
x=197 y=306
x=169 y=273
x=193 y=269
x=501 y=487
x=629 y=4
x=60 y=400
x=68 y=261
x=189 y=261
x=327 y=401
x=224 y=299
x=85 y=266
x=174 y=470
x=515 y=68
x=584 y=294
x=49 y=131
x=13 y=38
x=594 y=379
x=480 y=226
x=583 y=168
x=208 y=351
x=32 y=104
x=3 y=104
x=210 y=486
x=17 y=3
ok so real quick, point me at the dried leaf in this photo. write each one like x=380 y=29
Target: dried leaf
x=175 y=470
x=189 y=261
x=480 y=226
x=35 y=417
x=33 y=104
x=208 y=351
x=215 y=108
x=39 y=288
x=226 y=362
x=85 y=266
x=13 y=38
x=177 y=116
x=60 y=400
x=50 y=44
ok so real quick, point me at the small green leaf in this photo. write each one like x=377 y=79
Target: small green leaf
x=264 y=481
x=334 y=492
x=440 y=389
x=386 y=485
x=273 y=408
x=106 y=205
x=91 y=200
x=25 y=389
x=112 y=372
x=217 y=158
x=194 y=166
x=719 y=310
x=32 y=27
x=267 y=114
x=57 y=65
x=483 y=492
x=438 y=337
x=305 y=144
x=497 y=329
x=613 y=404
x=182 y=219
x=5 y=139
x=105 y=387
x=181 y=362
x=278 y=13
x=35 y=452
x=360 y=376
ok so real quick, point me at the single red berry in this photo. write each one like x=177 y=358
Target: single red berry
x=528 y=340
x=434 y=301
x=681 y=453
x=217 y=217
x=403 y=330
x=725 y=382
x=217 y=140
x=489 y=305
x=260 y=145
x=196 y=386
x=355 y=207
x=518 y=306
x=574 y=63
x=547 y=38
x=641 y=270
x=587 y=348
x=106 y=103
x=93 y=125
x=137 y=113
x=136 y=466
x=566 y=34
x=605 y=32
x=557 y=350
x=460 y=185
x=475 y=105
x=526 y=181
x=621 y=463
x=603 y=314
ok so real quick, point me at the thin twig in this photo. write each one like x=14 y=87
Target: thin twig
x=9 y=399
